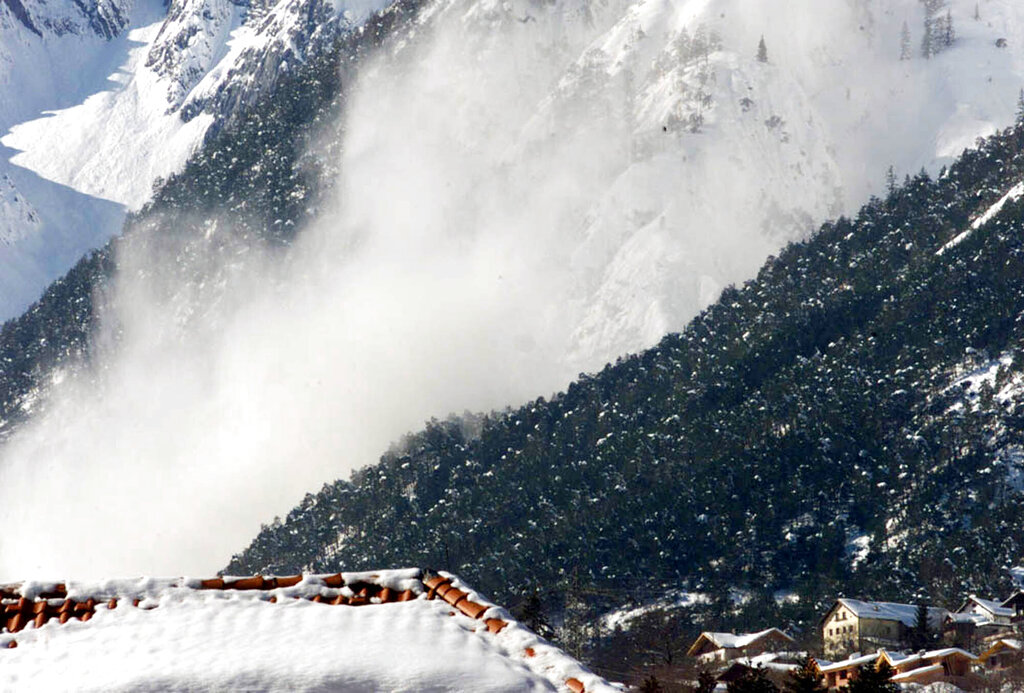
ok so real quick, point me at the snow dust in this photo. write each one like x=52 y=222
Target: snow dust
x=525 y=193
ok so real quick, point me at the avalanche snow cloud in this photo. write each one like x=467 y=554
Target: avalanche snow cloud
x=527 y=190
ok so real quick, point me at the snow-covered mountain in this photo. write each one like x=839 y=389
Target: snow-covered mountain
x=99 y=101
x=526 y=190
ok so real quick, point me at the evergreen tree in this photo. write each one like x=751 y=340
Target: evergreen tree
x=1020 y=109
x=905 y=42
x=806 y=679
x=752 y=681
x=531 y=613
x=762 y=51
x=977 y=12
x=872 y=679
x=932 y=37
x=948 y=34
x=890 y=180
x=919 y=637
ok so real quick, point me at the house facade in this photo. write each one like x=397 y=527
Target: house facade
x=852 y=625
x=1015 y=603
x=715 y=648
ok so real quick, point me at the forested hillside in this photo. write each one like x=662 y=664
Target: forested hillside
x=846 y=423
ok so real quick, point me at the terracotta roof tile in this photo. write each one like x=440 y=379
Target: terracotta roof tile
x=18 y=609
x=334 y=580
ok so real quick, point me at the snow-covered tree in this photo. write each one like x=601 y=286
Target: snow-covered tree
x=934 y=28
x=905 y=42
x=762 y=51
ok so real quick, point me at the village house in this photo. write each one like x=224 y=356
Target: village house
x=977 y=622
x=714 y=648
x=838 y=674
x=852 y=625
x=950 y=665
x=990 y=610
x=1015 y=602
x=1003 y=654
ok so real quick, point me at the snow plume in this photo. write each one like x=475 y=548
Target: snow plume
x=228 y=381
x=528 y=190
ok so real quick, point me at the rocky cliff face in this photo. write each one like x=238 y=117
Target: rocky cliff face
x=106 y=18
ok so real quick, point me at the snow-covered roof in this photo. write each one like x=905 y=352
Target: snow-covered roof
x=896 y=659
x=413 y=631
x=1002 y=644
x=916 y=673
x=854 y=661
x=903 y=658
x=993 y=606
x=737 y=640
x=892 y=611
x=766 y=658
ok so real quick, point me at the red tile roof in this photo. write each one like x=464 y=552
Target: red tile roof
x=22 y=604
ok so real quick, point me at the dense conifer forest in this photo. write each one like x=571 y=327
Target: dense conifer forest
x=847 y=423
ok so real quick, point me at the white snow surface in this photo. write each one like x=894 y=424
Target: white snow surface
x=117 y=142
x=181 y=638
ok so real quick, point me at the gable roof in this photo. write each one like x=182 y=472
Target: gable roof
x=414 y=630
x=898 y=660
x=1015 y=600
x=733 y=640
x=890 y=611
x=1012 y=644
x=992 y=606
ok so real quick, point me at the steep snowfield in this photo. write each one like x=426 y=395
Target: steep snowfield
x=55 y=63
x=117 y=142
